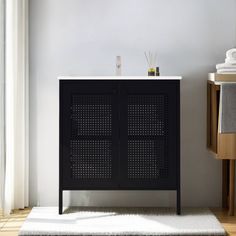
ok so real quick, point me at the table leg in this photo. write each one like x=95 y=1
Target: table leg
x=231 y=186
x=225 y=183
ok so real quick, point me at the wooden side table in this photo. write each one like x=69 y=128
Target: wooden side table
x=222 y=145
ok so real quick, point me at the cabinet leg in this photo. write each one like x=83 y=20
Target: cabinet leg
x=231 y=187
x=178 y=202
x=225 y=183
x=60 y=201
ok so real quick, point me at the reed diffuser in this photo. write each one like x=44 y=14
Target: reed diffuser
x=151 y=61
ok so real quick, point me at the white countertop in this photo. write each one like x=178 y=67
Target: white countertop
x=120 y=77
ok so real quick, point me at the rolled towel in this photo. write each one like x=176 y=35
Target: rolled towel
x=231 y=54
x=230 y=61
x=225 y=66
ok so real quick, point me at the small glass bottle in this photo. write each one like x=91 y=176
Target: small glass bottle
x=157 y=71
x=118 y=66
x=151 y=72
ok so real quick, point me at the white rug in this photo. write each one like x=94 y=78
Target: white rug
x=120 y=221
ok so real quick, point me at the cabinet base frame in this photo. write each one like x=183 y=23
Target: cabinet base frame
x=178 y=201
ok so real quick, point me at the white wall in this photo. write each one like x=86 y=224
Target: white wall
x=83 y=37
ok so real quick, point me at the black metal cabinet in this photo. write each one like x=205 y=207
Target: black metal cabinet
x=119 y=135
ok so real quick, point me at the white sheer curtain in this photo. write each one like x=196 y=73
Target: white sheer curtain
x=16 y=106
x=2 y=99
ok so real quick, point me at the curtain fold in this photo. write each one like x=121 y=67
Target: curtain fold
x=2 y=100
x=17 y=107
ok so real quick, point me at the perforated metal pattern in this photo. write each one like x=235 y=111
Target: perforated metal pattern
x=146 y=159
x=147 y=136
x=146 y=115
x=91 y=141
x=91 y=115
x=91 y=159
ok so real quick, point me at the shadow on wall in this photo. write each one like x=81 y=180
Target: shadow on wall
x=123 y=198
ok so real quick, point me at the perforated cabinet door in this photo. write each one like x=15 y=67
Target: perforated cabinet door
x=149 y=134
x=88 y=134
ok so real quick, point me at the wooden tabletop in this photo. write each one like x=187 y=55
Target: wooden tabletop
x=221 y=78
